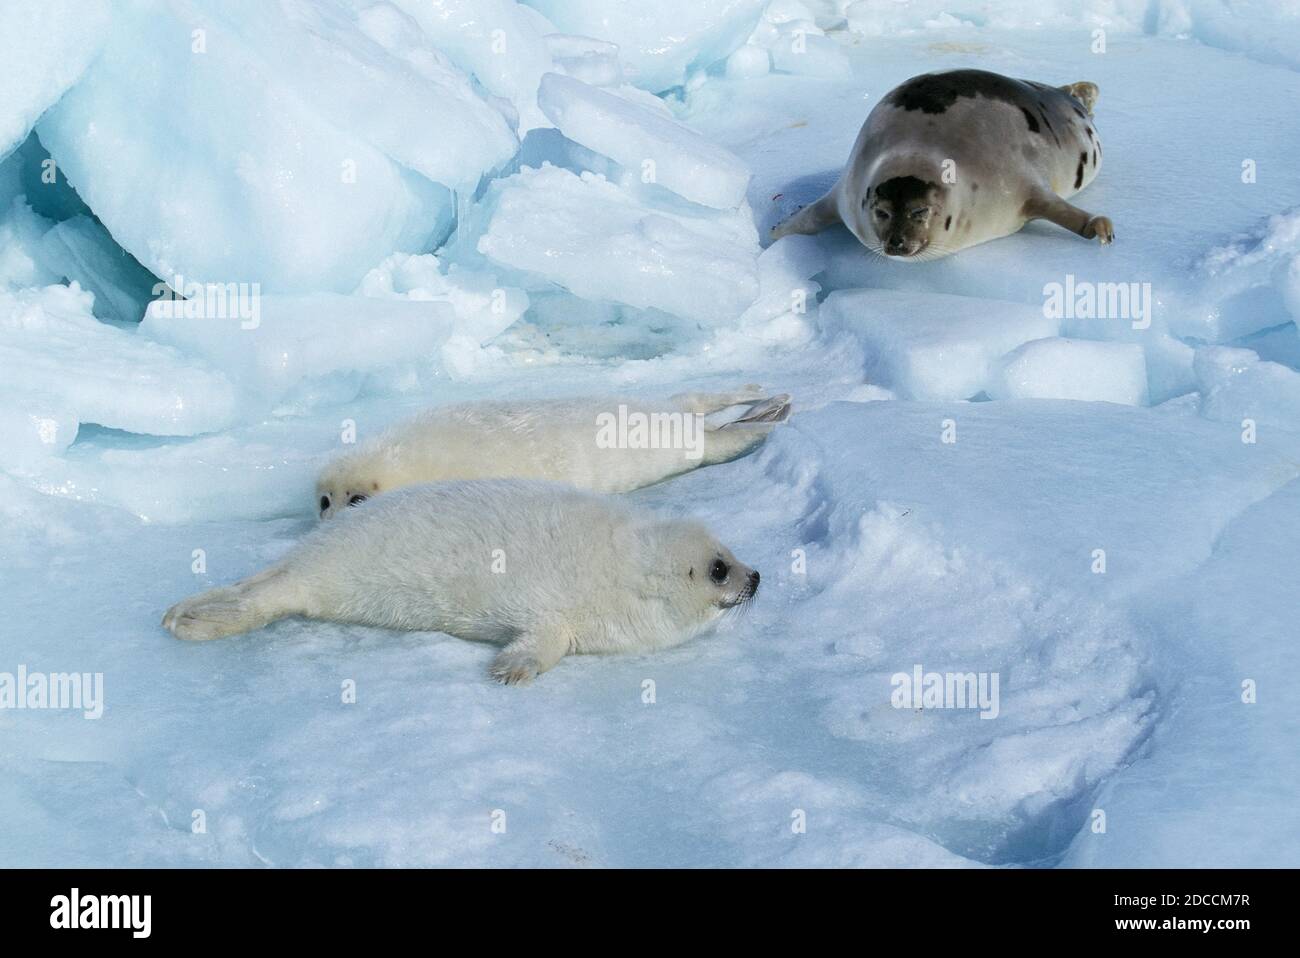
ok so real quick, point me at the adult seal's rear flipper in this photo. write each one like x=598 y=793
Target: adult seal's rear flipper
x=1085 y=91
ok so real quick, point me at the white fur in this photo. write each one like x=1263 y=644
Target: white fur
x=542 y=439
x=548 y=569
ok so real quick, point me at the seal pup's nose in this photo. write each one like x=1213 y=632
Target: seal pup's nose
x=753 y=582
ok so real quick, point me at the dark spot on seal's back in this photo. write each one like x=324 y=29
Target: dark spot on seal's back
x=1029 y=119
x=1094 y=157
x=947 y=224
x=1089 y=133
x=1048 y=123
x=935 y=92
x=974 y=187
x=1078 y=176
x=1079 y=110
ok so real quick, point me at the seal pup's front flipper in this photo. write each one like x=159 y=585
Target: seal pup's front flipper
x=230 y=610
x=528 y=656
x=1046 y=205
x=813 y=218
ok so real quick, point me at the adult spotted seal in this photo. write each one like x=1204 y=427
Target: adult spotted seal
x=949 y=160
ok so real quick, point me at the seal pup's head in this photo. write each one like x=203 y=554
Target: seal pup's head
x=347 y=482
x=905 y=206
x=691 y=576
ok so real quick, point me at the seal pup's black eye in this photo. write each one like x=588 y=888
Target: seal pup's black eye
x=718 y=571
x=324 y=503
x=881 y=215
x=357 y=498
x=920 y=213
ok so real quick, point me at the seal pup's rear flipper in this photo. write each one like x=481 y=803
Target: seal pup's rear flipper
x=772 y=410
x=811 y=219
x=707 y=403
x=738 y=436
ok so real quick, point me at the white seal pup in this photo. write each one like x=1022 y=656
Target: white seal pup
x=600 y=444
x=949 y=160
x=541 y=567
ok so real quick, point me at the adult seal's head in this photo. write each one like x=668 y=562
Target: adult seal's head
x=904 y=204
x=949 y=160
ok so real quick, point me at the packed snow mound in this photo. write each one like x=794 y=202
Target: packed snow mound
x=586 y=59
x=1250 y=283
x=500 y=43
x=1226 y=705
x=371 y=147
x=33 y=428
x=60 y=361
x=933 y=346
x=660 y=149
x=1070 y=706
x=602 y=243
x=1020 y=466
x=789 y=39
x=1060 y=368
x=256 y=472
x=662 y=43
x=1264 y=30
x=304 y=349
x=1238 y=387
x=483 y=307
x=44 y=48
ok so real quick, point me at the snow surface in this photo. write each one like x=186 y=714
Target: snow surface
x=1103 y=511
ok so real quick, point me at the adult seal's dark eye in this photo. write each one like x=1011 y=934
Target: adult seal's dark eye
x=718 y=571
x=357 y=498
x=324 y=503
